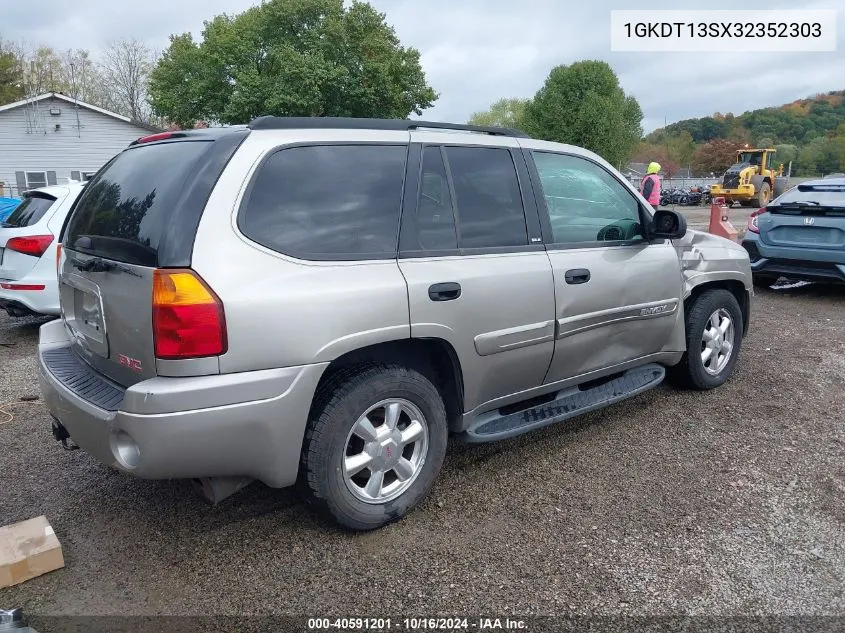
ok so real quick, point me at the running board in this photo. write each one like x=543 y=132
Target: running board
x=569 y=403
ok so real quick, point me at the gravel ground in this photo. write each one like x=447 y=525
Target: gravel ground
x=726 y=502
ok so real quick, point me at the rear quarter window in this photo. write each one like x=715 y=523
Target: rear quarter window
x=327 y=202
x=125 y=210
x=30 y=211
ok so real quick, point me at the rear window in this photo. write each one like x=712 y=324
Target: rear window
x=328 y=202
x=827 y=195
x=30 y=211
x=125 y=210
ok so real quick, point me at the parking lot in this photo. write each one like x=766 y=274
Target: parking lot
x=725 y=502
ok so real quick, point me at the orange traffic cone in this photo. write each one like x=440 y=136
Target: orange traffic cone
x=719 y=223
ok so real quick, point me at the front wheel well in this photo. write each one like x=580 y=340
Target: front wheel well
x=736 y=288
x=434 y=358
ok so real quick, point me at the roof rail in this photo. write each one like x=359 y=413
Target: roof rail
x=352 y=123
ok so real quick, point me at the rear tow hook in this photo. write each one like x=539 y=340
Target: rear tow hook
x=61 y=434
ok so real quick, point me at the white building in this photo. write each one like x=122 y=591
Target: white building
x=51 y=138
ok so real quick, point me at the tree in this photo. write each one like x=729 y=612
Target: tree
x=668 y=166
x=80 y=75
x=786 y=153
x=11 y=76
x=290 y=58
x=503 y=113
x=715 y=156
x=44 y=71
x=681 y=148
x=822 y=155
x=583 y=104
x=125 y=70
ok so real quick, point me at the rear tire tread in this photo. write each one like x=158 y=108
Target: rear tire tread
x=332 y=415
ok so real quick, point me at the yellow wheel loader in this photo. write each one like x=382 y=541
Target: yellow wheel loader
x=753 y=180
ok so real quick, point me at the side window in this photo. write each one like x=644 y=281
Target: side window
x=585 y=203
x=433 y=226
x=489 y=205
x=327 y=202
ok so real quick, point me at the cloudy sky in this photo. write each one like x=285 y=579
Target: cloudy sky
x=476 y=51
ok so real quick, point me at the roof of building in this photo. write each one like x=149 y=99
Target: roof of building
x=81 y=104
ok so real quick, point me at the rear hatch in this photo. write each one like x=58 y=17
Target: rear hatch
x=138 y=214
x=810 y=216
x=27 y=226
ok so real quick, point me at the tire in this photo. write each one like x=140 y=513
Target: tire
x=329 y=441
x=691 y=371
x=764 y=196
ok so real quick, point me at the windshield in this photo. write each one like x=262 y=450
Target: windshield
x=30 y=211
x=752 y=158
x=125 y=210
x=819 y=195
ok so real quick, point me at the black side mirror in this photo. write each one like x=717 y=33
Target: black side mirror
x=668 y=225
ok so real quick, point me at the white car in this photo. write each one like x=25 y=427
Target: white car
x=29 y=240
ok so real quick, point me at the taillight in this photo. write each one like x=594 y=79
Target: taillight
x=34 y=245
x=160 y=136
x=188 y=319
x=58 y=256
x=752 y=220
x=155 y=137
x=14 y=286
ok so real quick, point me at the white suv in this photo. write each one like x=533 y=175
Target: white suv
x=28 y=245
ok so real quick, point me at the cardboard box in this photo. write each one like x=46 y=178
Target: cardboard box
x=28 y=549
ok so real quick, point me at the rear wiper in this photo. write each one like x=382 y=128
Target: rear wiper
x=802 y=203
x=99 y=265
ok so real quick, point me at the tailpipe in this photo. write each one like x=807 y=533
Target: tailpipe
x=215 y=489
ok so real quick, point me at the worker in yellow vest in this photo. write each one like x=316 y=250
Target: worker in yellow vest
x=650 y=185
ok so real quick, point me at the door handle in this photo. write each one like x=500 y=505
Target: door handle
x=448 y=291
x=577 y=276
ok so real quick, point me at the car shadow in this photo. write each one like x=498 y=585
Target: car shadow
x=807 y=289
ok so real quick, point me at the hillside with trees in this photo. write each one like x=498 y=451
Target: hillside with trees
x=583 y=104
x=808 y=132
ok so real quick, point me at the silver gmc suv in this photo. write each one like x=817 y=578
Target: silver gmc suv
x=327 y=300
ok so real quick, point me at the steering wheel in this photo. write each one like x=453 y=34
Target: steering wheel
x=619 y=231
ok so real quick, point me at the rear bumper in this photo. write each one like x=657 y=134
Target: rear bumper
x=44 y=301
x=215 y=433
x=806 y=264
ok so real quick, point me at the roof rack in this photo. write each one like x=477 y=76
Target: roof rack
x=352 y=123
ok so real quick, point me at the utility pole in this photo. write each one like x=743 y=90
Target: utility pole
x=75 y=99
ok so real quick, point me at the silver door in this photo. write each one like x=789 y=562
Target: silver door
x=478 y=283
x=618 y=296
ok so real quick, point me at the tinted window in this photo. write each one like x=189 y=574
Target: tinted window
x=124 y=212
x=488 y=198
x=815 y=195
x=338 y=201
x=585 y=203
x=30 y=211
x=432 y=226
